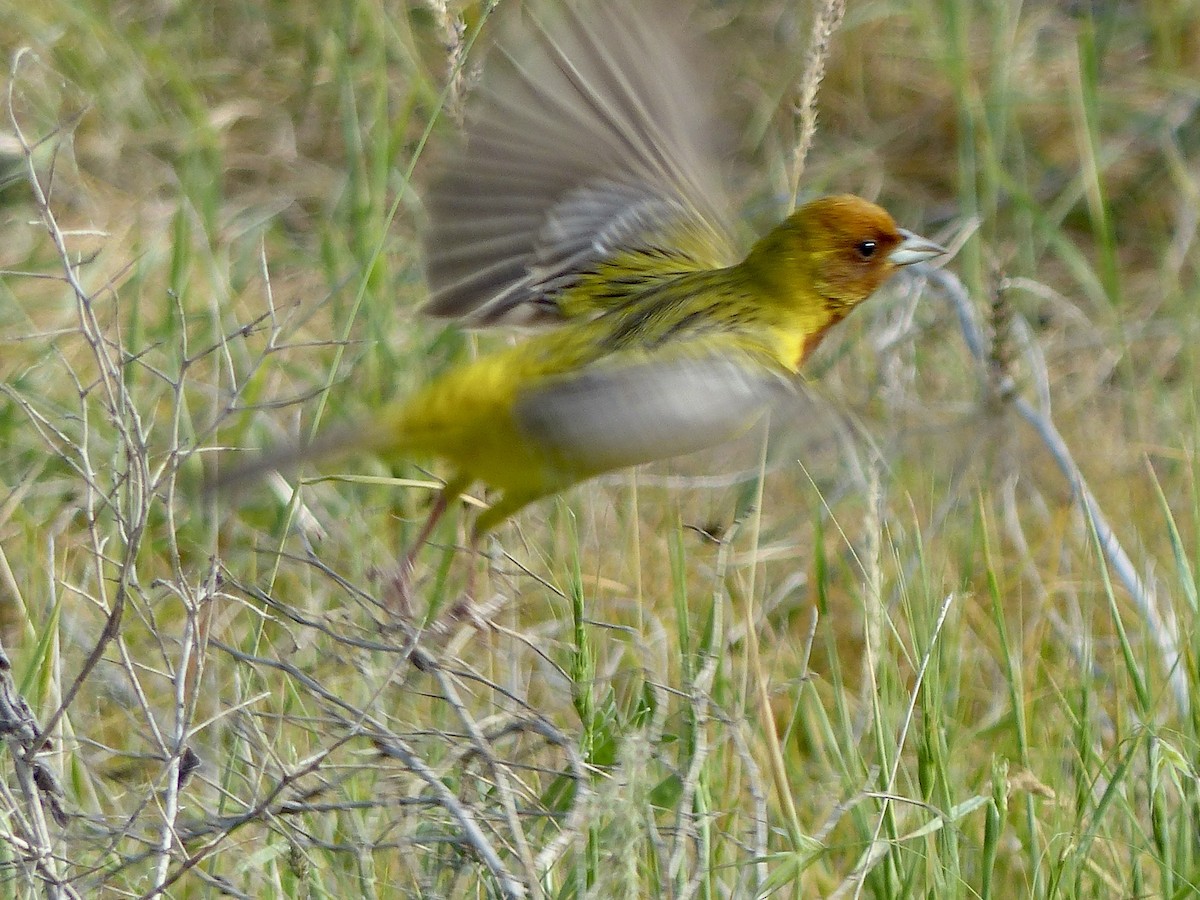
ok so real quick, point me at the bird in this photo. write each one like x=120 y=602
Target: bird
x=586 y=205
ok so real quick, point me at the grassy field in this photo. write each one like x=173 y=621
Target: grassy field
x=935 y=638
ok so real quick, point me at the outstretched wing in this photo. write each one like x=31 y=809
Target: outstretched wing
x=589 y=140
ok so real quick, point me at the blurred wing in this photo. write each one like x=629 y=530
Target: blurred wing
x=615 y=414
x=589 y=139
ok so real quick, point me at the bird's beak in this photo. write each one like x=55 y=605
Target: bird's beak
x=915 y=249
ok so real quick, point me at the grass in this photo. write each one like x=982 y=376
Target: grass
x=921 y=643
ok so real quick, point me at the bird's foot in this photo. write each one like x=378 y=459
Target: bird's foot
x=467 y=612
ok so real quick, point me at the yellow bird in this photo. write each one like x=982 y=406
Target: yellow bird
x=587 y=195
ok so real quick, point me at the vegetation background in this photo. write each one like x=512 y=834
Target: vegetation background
x=938 y=637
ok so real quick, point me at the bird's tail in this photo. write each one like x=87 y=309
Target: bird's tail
x=331 y=445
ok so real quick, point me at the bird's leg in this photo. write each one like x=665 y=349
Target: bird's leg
x=466 y=609
x=505 y=506
x=400 y=593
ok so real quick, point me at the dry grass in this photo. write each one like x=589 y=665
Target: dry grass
x=934 y=638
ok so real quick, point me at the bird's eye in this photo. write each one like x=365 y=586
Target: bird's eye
x=866 y=249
